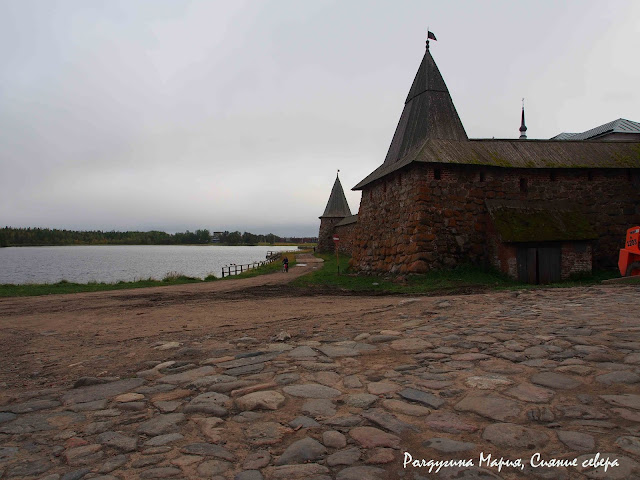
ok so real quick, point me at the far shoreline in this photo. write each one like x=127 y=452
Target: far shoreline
x=299 y=245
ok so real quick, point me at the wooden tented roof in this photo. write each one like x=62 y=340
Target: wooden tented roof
x=430 y=131
x=428 y=113
x=337 y=206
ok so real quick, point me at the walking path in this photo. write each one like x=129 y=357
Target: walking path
x=306 y=263
x=506 y=374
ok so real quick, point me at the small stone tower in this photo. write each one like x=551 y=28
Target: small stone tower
x=337 y=209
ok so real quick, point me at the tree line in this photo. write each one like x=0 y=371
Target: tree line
x=50 y=236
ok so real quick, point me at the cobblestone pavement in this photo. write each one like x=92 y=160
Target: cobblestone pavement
x=507 y=374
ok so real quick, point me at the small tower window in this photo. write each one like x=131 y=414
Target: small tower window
x=437 y=174
x=523 y=185
x=482 y=176
x=590 y=175
x=552 y=176
x=629 y=176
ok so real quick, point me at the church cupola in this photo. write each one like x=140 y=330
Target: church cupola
x=523 y=127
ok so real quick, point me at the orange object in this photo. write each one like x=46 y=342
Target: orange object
x=629 y=259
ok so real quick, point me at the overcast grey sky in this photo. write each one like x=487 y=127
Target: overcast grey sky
x=230 y=115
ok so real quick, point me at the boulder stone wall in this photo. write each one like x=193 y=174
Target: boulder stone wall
x=347 y=234
x=325 y=234
x=433 y=216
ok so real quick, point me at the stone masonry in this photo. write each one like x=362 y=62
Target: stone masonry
x=429 y=204
x=325 y=235
x=412 y=222
x=347 y=235
x=336 y=211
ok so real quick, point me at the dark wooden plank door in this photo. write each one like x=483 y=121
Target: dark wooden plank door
x=521 y=262
x=539 y=264
x=526 y=260
x=549 y=264
x=532 y=263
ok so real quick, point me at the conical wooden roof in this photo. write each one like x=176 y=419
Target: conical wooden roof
x=428 y=114
x=337 y=206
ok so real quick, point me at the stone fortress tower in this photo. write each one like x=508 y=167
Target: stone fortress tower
x=537 y=210
x=337 y=210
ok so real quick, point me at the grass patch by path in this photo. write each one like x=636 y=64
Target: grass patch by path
x=265 y=269
x=63 y=286
x=459 y=279
x=171 y=278
x=587 y=279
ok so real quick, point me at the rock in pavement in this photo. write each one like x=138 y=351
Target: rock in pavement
x=510 y=435
x=265 y=400
x=302 y=451
x=370 y=437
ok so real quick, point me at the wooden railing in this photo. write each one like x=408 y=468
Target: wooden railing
x=235 y=269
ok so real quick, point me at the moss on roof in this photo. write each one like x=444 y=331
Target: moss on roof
x=530 y=154
x=526 y=224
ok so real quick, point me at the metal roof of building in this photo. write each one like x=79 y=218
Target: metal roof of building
x=620 y=125
x=517 y=154
x=337 y=206
x=563 y=136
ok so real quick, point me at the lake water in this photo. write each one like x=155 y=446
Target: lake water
x=112 y=263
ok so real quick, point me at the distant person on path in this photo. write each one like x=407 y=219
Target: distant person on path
x=285 y=264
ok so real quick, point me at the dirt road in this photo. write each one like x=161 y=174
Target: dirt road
x=203 y=382
x=51 y=340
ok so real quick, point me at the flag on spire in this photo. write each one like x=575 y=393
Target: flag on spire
x=431 y=36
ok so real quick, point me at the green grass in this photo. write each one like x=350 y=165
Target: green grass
x=589 y=279
x=63 y=286
x=462 y=278
x=171 y=278
x=459 y=279
x=265 y=269
x=288 y=244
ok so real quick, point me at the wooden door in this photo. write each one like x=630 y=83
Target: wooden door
x=549 y=264
x=526 y=258
x=539 y=264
